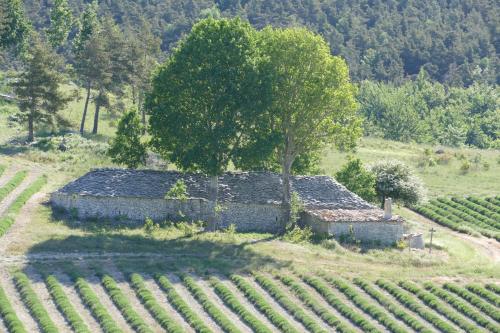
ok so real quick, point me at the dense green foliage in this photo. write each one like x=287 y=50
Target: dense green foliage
x=14 y=27
x=394 y=179
x=426 y=111
x=454 y=41
x=357 y=179
x=126 y=147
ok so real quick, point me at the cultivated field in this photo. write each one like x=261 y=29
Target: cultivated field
x=466 y=214
x=115 y=299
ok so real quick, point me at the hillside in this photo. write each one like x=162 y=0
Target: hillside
x=455 y=41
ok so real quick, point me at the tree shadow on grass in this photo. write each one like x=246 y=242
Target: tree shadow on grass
x=204 y=251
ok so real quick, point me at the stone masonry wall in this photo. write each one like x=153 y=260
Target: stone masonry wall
x=387 y=233
x=246 y=217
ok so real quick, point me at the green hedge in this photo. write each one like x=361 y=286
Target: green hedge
x=461 y=306
x=484 y=293
x=123 y=304
x=64 y=305
x=364 y=304
x=484 y=306
x=262 y=305
x=408 y=300
x=335 y=302
x=12 y=184
x=99 y=312
x=150 y=303
x=392 y=307
x=434 y=303
x=217 y=315
x=180 y=305
x=232 y=302
x=295 y=310
x=10 y=215
x=33 y=303
x=314 y=305
x=9 y=316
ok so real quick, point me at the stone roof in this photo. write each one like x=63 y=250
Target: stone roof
x=316 y=192
x=349 y=215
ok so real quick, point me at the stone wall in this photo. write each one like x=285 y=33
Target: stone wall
x=246 y=217
x=385 y=232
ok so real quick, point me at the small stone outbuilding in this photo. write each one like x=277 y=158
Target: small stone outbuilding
x=249 y=200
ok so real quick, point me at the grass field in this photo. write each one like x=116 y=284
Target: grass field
x=58 y=274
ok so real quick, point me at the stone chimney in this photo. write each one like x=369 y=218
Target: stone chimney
x=388 y=209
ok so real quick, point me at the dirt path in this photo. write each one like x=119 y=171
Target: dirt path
x=204 y=285
x=15 y=300
x=488 y=246
x=7 y=175
x=43 y=294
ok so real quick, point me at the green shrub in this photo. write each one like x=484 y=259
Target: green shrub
x=484 y=306
x=298 y=235
x=92 y=302
x=296 y=311
x=9 y=217
x=64 y=305
x=11 y=185
x=394 y=308
x=9 y=316
x=178 y=191
x=356 y=178
x=33 y=303
x=150 y=303
x=370 y=309
x=213 y=310
x=433 y=302
x=314 y=305
x=123 y=304
x=341 y=307
x=232 y=302
x=150 y=227
x=181 y=306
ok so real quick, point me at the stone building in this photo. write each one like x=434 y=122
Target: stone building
x=249 y=200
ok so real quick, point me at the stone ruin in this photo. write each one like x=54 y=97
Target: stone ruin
x=249 y=200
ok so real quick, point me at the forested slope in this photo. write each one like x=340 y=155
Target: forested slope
x=456 y=41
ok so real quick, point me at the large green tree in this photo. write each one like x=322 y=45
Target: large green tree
x=127 y=147
x=312 y=99
x=38 y=87
x=14 y=26
x=203 y=97
x=61 y=21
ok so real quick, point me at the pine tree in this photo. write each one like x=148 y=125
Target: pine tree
x=37 y=87
x=61 y=21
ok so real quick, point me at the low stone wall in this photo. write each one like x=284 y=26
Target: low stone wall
x=384 y=232
x=246 y=217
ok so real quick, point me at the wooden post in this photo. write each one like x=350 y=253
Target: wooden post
x=430 y=246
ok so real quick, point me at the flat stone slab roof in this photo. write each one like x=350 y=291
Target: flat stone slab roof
x=316 y=192
x=349 y=215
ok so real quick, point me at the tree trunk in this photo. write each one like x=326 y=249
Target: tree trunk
x=143 y=114
x=96 y=115
x=31 y=134
x=287 y=195
x=213 y=194
x=82 y=124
